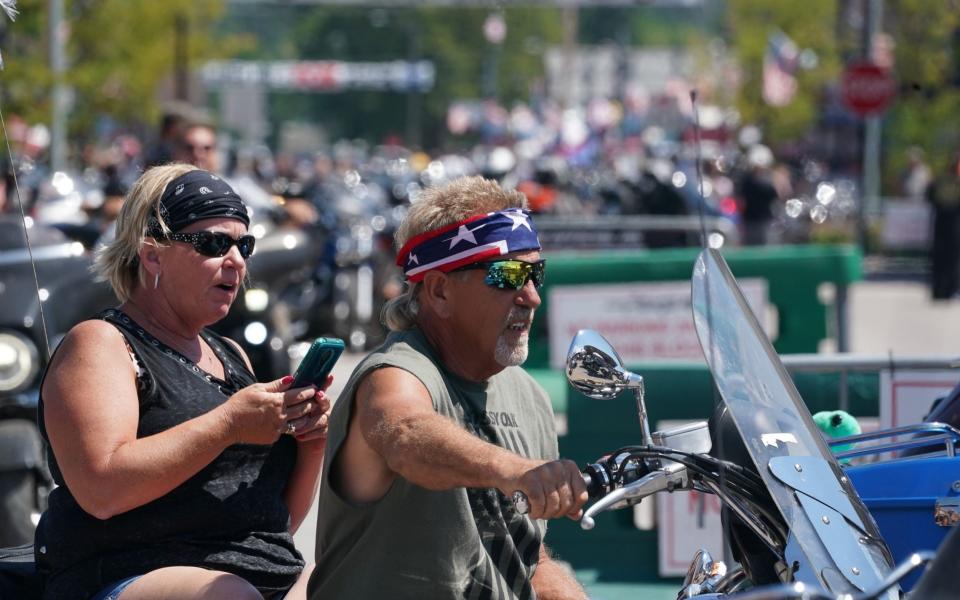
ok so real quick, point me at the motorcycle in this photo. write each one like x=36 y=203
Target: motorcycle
x=355 y=273
x=68 y=294
x=794 y=520
x=792 y=516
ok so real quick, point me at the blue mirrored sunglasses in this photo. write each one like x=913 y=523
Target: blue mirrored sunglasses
x=510 y=274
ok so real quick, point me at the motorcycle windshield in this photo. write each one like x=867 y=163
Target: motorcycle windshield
x=833 y=538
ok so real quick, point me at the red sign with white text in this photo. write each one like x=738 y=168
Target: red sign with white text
x=867 y=89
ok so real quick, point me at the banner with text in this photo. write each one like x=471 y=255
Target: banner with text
x=323 y=75
x=643 y=321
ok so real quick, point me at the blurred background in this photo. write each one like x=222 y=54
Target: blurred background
x=841 y=105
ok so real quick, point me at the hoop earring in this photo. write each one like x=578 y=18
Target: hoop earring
x=156 y=281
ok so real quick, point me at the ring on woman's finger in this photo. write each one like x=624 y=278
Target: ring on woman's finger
x=291 y=428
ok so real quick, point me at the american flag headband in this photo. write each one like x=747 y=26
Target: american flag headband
x=468 y=241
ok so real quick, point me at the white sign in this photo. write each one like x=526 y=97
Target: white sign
x=906 y=396
x=906 y=225
x=686 y=522
x=642 y=320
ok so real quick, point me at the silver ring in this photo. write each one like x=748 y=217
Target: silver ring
x=291 y=428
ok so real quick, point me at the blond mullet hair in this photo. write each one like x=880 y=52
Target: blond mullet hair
x=438 y=207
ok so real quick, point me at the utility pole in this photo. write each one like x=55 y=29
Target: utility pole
x=181 y=59
x=414 y=94
x=570 y=22
x=870 y=202
x=61 y=95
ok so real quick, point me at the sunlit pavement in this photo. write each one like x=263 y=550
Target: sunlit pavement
x=888 y=316
x=899 y=317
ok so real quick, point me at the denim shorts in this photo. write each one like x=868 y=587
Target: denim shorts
x=113 y=591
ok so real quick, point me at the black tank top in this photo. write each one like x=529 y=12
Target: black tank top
x=230 y=516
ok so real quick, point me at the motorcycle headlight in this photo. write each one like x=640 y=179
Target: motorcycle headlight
x=18 y=361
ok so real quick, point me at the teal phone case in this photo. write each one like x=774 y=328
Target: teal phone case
x=318 y=362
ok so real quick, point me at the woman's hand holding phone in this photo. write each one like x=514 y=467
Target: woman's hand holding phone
x=308 y=421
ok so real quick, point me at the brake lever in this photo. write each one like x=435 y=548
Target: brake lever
x=671 y=477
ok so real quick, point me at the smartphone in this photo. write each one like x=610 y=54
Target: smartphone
x=318 y=362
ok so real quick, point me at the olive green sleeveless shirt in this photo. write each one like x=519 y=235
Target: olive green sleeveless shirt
x=417 y=543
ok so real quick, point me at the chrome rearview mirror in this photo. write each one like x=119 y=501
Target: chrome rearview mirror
x=595 y=370
x=593 y=367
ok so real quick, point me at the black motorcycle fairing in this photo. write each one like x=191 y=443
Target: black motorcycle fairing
x=756 y=558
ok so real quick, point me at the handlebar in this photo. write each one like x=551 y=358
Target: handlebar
x=522 y=503
x=601 y=478
x=620 y=480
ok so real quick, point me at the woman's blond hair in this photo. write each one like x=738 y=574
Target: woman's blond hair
x=119 y=261
x=435 y=208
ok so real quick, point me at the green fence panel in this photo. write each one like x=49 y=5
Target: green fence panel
x=793 y=274
x=615 y=549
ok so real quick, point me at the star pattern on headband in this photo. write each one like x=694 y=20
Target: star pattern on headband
x=463 y=235
x=468 y=241
x=519 y=220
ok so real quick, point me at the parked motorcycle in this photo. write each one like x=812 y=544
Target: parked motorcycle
x=791 y=513
x=355 y=273
x=68 y=294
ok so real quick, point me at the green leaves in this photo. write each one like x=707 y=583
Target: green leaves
x=811 y=25
x=119 y=54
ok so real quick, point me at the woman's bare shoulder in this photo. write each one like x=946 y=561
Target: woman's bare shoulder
x=93 y=333
x=92 y=342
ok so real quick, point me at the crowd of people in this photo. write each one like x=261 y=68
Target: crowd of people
x=566 y=163
x=188 y=478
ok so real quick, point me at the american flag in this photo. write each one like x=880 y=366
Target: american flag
x=468 y=241
x=779 y=65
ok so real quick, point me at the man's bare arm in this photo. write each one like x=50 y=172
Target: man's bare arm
x=396 y=421
x=551 y=581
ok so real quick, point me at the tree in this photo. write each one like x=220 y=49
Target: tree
x=119 y=52
x=928 y=70
x=811 y=25
x=451 y=38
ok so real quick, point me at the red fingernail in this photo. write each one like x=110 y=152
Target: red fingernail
x=287 y=379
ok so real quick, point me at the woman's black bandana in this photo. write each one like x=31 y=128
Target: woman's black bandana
x=195 y=196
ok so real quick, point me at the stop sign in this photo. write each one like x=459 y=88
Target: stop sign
x=867 y=89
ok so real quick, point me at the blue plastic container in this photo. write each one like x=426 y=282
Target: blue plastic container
x=902 y=497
